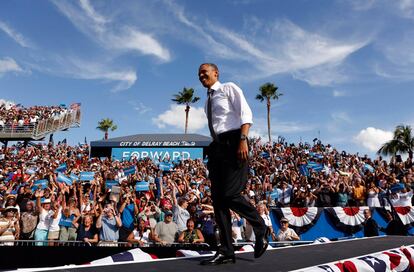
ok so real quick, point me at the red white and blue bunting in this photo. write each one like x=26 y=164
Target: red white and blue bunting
x=397 y=259
x=300 y=219
x=406 y=214
x=347 y=219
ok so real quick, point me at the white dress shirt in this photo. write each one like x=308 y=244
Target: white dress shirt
x=229 y=107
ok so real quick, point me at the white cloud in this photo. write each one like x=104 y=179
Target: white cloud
x=87 y=70
x=17 y=37
x=373 y=138
x=322 y=75
x=280 y=47
x=338 y=93
x=360 y=5
x=9 y=65
x=341 y=117
x=111 y=35
x=406 y=8
x=140 y=107
x=175 y=117
x=74 y=67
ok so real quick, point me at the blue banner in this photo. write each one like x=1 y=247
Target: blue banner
x=41 y=183
x=303 y=169
x=110 y=183
x=64 y=179
x=62 y=168
x=397 y=187
x=129 y=170
x=74 y=177
x=317 y=167
x=87 y=176
x=165 y=166
x=369 y=168
x=265 y=155
x=30 y=171
x=274 y=195
x=158 y=154
x=142 y=186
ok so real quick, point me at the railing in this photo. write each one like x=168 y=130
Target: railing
x=100 y=243
x=134 y=245
x=40 y=129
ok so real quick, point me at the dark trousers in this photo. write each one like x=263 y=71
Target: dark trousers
x=228 y=179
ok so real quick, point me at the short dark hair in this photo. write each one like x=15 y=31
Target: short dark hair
x=211 y=65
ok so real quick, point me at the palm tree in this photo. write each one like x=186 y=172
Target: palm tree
x=268 y=91
x=105 y=125
x=403 y=142
x=186 y=97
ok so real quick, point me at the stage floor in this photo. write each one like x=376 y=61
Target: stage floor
x=280 y=259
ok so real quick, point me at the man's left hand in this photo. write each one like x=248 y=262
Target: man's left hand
x=243 y=152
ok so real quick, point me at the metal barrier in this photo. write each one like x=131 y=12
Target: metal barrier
x=277 y=244
x=42 y=128
x=99 y=244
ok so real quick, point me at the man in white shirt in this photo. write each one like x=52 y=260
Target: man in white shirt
x=285 y=233
x=229 y=119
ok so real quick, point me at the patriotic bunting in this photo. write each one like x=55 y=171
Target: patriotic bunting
x=397 y=259
x=347 y=219
x=300 y=219
x=406 y=214
x=136 y=255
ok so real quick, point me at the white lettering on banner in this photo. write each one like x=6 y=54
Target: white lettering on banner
x=144 y=154
x=155 y=154
x=134 y=154
x=176 y=155
x=125 y=143
x=185 y=157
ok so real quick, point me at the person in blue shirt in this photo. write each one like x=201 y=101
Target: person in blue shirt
x=128 y=210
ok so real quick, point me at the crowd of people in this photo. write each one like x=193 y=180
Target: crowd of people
x=15 y=115
x=176 y=207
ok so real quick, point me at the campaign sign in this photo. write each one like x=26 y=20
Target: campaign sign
x=142 y=186
x=87 y=176
x=317 y=167
x=157 y=154
x=274 y=195
x=369 y=168
x=74 y=177
x=110 y=183
x=303 y=169
x=129 y=170
x=165 y=166
x=64 y=179
x=62 y=168
x=30 y=171
x=265 y=155
x=41 y=183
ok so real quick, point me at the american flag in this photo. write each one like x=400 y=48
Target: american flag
x=397 y=259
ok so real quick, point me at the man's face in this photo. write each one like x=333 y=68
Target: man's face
x=207 y=75
x=168 y=218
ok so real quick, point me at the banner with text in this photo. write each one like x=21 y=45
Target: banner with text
x=156 y=154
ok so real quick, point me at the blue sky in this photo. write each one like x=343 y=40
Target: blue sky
x=346 y=68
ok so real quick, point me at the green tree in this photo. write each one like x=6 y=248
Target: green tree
x=105 y=125
x=268 y=92
x=402 y=142
x=186 y=97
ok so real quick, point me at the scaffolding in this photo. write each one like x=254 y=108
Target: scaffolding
x=40 y=129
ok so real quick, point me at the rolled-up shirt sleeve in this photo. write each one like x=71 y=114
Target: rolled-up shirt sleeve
x=240 y=104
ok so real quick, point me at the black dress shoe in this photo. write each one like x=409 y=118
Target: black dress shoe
x=261 y=244
x=219 y=259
